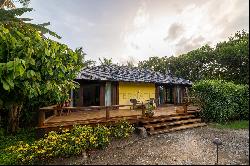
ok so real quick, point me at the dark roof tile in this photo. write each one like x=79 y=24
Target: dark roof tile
x=125 y=73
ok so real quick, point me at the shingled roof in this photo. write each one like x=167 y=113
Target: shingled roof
x=128 y=74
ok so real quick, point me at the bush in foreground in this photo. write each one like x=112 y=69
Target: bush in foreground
x=68 y=142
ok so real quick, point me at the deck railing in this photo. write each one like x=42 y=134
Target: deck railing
x=55 y=109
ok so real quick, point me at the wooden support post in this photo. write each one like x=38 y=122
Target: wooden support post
x=174 y=94
x=81 y=96
x=157 y=94
x=107 y=112
x=55 y=112
x=166 y=92
x=102 y=94
x=185 y=108
x=143 y=110
x=41 y=118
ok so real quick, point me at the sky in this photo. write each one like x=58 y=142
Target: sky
x=134 y=30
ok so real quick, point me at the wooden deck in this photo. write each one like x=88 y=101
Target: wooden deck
x=103 y=115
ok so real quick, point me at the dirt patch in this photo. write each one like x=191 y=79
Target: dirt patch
x=193 y=146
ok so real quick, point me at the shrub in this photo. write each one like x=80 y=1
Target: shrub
x=222 y=101
x=26 y=135
x=66 y=143
x=121 y=129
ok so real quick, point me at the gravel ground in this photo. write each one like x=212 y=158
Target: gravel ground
x=188 y=147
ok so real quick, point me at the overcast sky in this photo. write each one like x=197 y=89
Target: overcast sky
x=138 y=29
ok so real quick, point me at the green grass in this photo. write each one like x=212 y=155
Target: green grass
x=24 y=135
x=243 y=124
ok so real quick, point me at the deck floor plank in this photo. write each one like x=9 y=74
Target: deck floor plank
x=96 y=116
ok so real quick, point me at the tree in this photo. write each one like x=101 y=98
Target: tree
x=33 y=67
x=233 y=58
x=9 y=14
x=10 y=3
x=106 y=61
x=6 y=3
x=229 y=60
x=82 y=55
x=130 y=64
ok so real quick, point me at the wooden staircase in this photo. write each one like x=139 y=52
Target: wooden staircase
x=178 y=121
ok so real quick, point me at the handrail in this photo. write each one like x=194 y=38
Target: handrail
x=54 y=108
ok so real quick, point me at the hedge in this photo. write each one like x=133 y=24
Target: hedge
x=222 y=101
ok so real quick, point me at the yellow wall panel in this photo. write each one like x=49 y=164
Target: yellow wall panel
x=139 y=91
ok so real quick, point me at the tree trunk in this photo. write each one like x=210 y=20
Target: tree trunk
x=13 y=119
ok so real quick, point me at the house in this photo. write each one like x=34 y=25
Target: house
x=104 y=98
x=107 y=85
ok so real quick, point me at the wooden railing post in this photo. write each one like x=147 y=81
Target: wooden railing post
x=41 y=118
x=55 y=112
x=185 y=108
x=143 y=110
x=107 y=112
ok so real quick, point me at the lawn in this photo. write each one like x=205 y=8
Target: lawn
x=242 y=124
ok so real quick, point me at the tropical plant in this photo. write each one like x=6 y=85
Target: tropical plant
x=9 y=15
x=33 y=67
x=149 y=109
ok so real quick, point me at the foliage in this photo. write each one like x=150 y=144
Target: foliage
x=121 y=129
x=10 y=15
x=106 y=61
x=241 y=124
x=66 y=143
x=82 y=54
x=149 y=109
x=10 y=3
x=27 y=136
x=229 y=61
x=34 y=67
x=222 y=101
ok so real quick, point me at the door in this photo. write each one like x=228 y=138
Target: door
x=170 y=95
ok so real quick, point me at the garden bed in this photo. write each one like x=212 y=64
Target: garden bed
x=192 y=146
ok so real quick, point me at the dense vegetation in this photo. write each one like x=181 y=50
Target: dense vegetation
x=33 y=68
x=229 y=61
x=36 y=71
x=65 y=143
x=222 y=101
x=220 y=76
x=24 y=135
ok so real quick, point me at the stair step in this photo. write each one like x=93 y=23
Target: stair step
x=187 y=126
x=167 y=118
x=172 y=123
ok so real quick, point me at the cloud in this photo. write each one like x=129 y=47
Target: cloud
x=185 y=45
x=141 y=17
x=121 y=29
x=174 y=31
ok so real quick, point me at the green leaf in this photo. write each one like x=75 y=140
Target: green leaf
x=19 y=70
x=10 y=65
x=26 y=38
x=5 y=85
x=47 y=52
x=10 y=81
x=5 y=30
